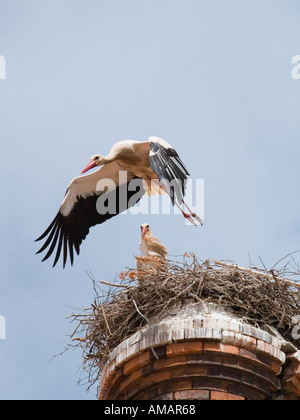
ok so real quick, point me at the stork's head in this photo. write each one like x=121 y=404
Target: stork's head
x=145 y=229
x=96 y=160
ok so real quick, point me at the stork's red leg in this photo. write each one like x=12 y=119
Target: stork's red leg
x=187 y=216
x=193 y=214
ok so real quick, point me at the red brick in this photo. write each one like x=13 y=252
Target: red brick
x=148 y=369
x=191 y=347
x=149 y=395
x=189 y=371
x=192 y=394
x=216 y=384
x=264 y=358
x=155 y=378
x=137 y=362
x=296 y=385
x=221 y=348
x=225 y=396
x=246 y=392
x=232 y=374
x=246 y=365
x=205 y=358
x=229 y=349
x=113 y=376
x=131 y=380
x=113 y=394
x=115 y=381
x=132 y=392
x=248 y=354
x=165 y=397
x=169 y=362
x=212 y=346
x=175 y=385
x=262 y=361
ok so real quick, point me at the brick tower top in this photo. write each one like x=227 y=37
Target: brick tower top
x=202 y=352
x=166 y=335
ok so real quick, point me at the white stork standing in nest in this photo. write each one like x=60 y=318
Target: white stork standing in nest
x=153 y=252
x=142 y=162
x=151 y=246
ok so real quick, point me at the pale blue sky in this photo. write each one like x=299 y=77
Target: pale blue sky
x=212 y=77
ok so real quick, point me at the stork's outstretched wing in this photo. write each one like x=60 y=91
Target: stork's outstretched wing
x=90 y=200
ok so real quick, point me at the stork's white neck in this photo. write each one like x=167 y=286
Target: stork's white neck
x=143 y=248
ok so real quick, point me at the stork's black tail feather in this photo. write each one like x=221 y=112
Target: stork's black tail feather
x=170 y=169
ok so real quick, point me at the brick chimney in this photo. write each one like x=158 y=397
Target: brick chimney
x=202 y=352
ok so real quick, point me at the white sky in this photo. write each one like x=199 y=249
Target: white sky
x=211 y=77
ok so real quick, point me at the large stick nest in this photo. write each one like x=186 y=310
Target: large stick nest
x=258 y=297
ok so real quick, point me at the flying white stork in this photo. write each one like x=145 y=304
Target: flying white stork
x=128 y=161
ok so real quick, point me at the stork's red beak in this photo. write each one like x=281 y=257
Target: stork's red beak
x=91 y=165
x=144 y=230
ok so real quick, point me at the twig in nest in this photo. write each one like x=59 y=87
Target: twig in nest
x=259 y=273
x=148 y=322
x=105 y=319
x=282 y=259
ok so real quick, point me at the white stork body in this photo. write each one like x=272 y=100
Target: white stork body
x=133 y=157
x=139 y=161
x=151 y=246
x=153 y=252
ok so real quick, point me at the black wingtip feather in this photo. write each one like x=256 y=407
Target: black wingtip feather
x=67 y=232
x=53 y=244
x=65 y=251
x=58 y=251
x=50 y=237
x=48 y=229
